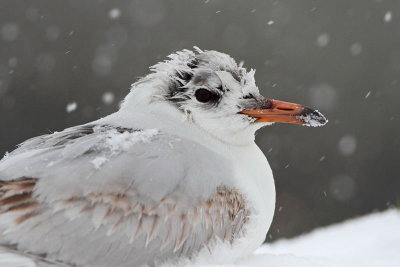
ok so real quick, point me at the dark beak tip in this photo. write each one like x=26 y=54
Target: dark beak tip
x=313 y=118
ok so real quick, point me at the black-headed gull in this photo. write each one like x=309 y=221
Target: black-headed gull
x=173 y=177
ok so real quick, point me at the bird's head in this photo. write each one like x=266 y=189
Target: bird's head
x=219 y=96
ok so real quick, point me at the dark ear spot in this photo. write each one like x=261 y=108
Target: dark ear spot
x=193 y=64
x=186 y=76
x=175 y=85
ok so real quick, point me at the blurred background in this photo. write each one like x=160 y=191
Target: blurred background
x=64 y=63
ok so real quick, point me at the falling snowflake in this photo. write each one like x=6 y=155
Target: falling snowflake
x=388 y=17
x=347 y=145
x=108 y=98
x=12 y=62
x=114 y=13
x=356 y=49
x=71 y=107
x=323 y=39
x=9 y=31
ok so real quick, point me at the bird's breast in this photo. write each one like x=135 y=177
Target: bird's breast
x=253 y=177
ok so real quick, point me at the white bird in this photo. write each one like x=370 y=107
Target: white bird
x=173 y=177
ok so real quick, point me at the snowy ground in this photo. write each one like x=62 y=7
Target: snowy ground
x=372 y=240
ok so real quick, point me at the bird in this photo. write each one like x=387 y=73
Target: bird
x=173 y=177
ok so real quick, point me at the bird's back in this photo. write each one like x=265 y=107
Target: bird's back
x=106 y=195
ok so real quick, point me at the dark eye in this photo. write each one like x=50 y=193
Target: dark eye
x=203 y=95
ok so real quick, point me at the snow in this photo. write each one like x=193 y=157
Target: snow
x=102 y=64
x=118 y=142
x=5 y=155
x=107 y=98
x=71 y=107
x=9 y=31
x=315 y=119
x=114 y=13
x=371 y=240
x=388 y=17
x=270 y=22
x=98 y=162
x=323 y=39
x=12 y=62
x=356 y=49
x=324 y=96
x=347 y=145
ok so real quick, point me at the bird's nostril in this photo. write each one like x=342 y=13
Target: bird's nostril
x=286 y=109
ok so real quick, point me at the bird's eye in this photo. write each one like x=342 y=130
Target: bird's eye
x=203 y=95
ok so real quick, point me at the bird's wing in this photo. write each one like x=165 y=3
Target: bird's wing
x=10 y=256
x=104 y=195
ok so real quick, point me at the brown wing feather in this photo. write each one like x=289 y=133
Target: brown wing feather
x=16 y=198
x=222 y=217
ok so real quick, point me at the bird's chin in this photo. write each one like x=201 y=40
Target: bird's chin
x=242 y=136
x=263 y=124
x=247 y=135
x=258 y=125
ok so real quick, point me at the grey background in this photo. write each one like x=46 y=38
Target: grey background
x=340 y=56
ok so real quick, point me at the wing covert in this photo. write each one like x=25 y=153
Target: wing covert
x=137 y=194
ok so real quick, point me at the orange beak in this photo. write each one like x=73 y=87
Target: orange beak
x=271 y=110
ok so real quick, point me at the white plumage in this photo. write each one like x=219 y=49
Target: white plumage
x=173 y=177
